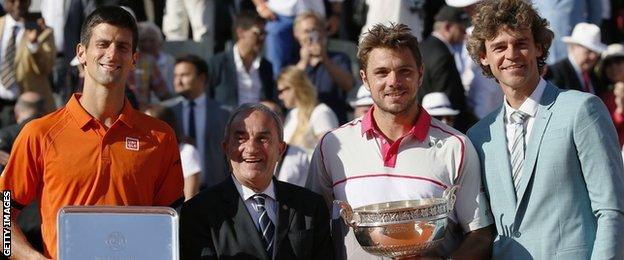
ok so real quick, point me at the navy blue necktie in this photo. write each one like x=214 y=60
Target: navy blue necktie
x=266 y=225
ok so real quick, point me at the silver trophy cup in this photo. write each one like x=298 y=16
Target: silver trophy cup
x=400 y=228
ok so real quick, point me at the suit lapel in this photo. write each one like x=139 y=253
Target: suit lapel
x=502 y=155
x=542 y=118
x=230 y=71
x=285 y=214
x=244 y=226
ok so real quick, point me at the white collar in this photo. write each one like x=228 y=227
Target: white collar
x=247 y=193
x=238 y=61
x=199 y=101
x=530 y=105
x=9 y=22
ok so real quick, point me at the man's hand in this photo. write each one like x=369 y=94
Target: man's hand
x=266 y=13
x=33 y=33
x=618 y=92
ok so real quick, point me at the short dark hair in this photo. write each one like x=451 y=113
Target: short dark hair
x=393 y=36
x=247 y=19
x=113 y=15
x=200 y=64
x=248 y=108
x=492 y=15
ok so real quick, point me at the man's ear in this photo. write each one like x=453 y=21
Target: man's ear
x=364 y=80
x=80 y=54
x=135 y=58
x=483 y=60
x=282 y=147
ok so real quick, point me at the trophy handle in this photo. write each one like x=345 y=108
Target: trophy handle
x=449 y=195
x=346 y=212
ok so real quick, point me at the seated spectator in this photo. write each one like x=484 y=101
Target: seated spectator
x=29 y=106
x=362 y=103
x=308 y=120
x=330 y=72
x=145 y=79
x=241 y=75
x=151 y=42
x=189 y=156
x=293 y=168
x=438 y=106
x=576 y=70
x=612 y=73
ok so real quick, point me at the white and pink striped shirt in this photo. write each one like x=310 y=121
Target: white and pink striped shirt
x=358 y=164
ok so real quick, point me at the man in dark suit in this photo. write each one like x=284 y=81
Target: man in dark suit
x=576 y=70
x=240 y=74
x=441 y=72
x=252 y=215
x=201 y=119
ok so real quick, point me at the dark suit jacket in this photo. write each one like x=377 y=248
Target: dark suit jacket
x=215 y=224
x=223 y=84
x=441 y=75
x=215 y=163
x=562 y=74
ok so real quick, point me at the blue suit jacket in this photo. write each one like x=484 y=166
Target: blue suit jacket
x=571 y=195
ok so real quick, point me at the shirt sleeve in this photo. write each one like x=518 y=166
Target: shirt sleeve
x=190 y=160
x=24 y=172
x=319 y=179
x=323 y=120
x=170 y=188
x=471 y=206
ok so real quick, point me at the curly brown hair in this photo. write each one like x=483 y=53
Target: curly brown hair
x=393 y=36
x=516 y=15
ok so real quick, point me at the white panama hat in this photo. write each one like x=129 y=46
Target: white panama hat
x=438 y=104
x=362 y=98
x=586 y=35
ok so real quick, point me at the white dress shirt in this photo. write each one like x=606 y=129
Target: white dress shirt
x=249 y=83
x=53 y=12
x=11 y=92
x=529 y=107
x=200 y=124
x=251 y=205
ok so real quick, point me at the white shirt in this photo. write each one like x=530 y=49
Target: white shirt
x=294 y=166
x=322 y=120
x=249 y=83
x=529 y=107
x=189 y=156
x=396 y=11
x=295 y=7
x=200 y=124
x=251 y=205
x=53 y=12
x=12 y=92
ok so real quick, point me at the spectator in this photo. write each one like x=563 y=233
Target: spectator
x=410 y=13
x=438 y=106
x=330 y=72
x=293 y=167
x=281 y=48
x=123 y=158
x=189 y=156
x=441 y=73
x=26 y=60
x=612 y=73
x=29 y=106
x=362 y=103
x=251 y=215
x=150 y=43
x=308 y=120
x=564 y=15
x=202 y=119
x=577 y=70
x=179 y=13
x=241 y=75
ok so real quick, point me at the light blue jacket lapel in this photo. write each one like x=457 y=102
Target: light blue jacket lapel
x=502 y=155
x=542 y=118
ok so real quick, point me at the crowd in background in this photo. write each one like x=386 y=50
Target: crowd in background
x=295 y=56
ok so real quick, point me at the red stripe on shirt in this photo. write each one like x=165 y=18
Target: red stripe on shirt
x=391 y=176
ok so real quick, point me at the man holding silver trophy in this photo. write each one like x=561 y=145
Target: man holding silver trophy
x=400 y=162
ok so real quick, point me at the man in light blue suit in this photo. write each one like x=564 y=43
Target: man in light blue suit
x=550 y=157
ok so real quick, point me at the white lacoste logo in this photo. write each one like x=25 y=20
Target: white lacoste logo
x=132 y=144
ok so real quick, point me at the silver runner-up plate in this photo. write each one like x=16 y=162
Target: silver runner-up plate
x=117 y=233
